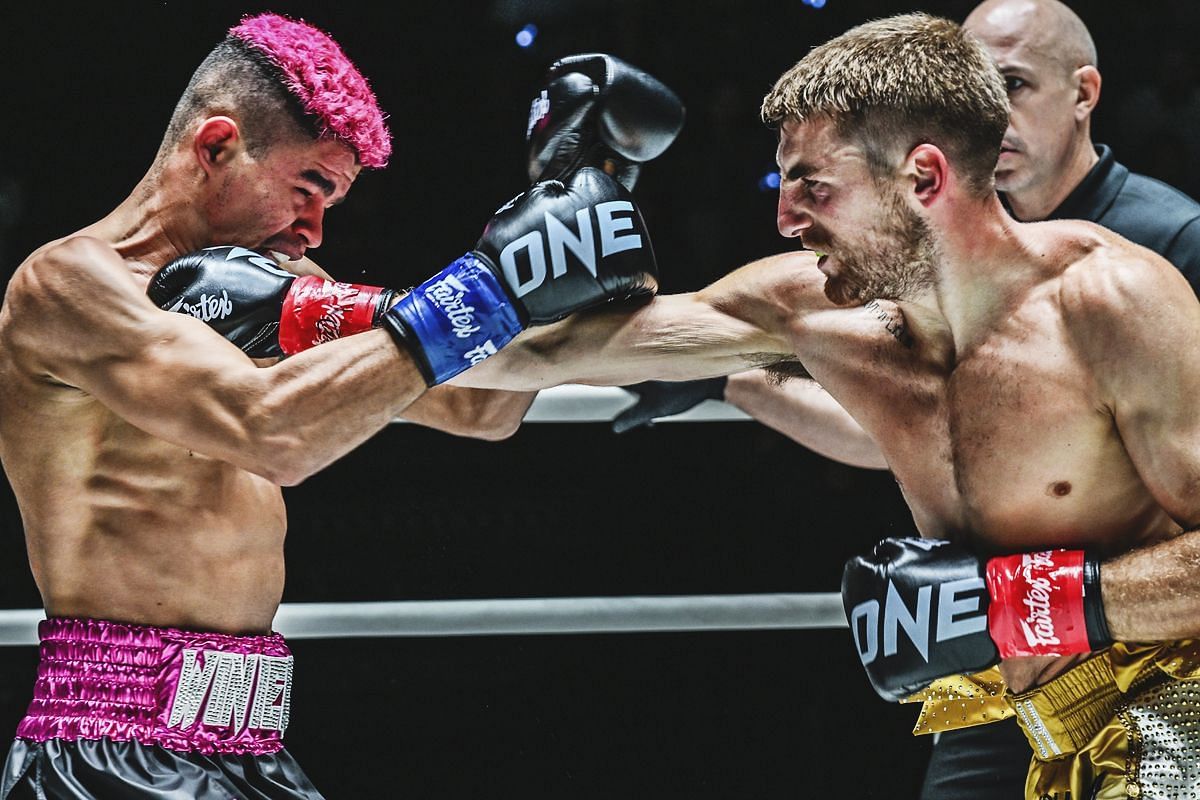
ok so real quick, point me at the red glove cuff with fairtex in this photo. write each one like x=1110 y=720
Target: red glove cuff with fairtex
x=316 y=310
x=1046 y=604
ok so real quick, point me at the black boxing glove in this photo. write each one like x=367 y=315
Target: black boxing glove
x=265 y=310
x=554 y=249
x=596 y=110
x=656 y=399
x=922 y=609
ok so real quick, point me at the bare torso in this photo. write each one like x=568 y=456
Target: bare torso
x=1007 y=446
x=120 y=525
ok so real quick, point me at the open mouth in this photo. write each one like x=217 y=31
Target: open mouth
x=281 y=257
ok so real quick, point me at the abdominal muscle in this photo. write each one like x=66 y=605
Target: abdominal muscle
x=125 y=527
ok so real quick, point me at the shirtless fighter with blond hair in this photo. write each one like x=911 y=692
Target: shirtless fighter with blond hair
x=1032 y=386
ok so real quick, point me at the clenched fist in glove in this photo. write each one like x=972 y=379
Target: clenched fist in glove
x=556 y=248
x=263 y=309
x=596 y=110
x=922 y=609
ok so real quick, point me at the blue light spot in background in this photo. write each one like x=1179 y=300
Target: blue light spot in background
x=526 y=35
x=768 y=182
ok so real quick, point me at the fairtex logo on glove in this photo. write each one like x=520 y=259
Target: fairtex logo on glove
x=1038 y=625
x=447 y=295
x=477 y=354
x=1037 y=603
x=206 y=308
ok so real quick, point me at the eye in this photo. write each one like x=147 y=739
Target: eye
x=1012 y=83
x=305 y=193
x=817 y=190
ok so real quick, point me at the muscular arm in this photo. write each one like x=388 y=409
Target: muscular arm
x=1141 y=330
x=804 y=412
x=478 y=413
x=750 y=318
x=75 y=315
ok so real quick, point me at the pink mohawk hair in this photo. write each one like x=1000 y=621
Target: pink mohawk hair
x=324 y=80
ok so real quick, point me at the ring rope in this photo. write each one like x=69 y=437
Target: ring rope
x=579 y=403
x=546 y=615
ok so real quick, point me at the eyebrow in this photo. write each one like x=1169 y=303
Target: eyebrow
x=799 y=169
x=327 y=186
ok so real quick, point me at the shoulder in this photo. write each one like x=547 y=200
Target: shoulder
x=69 y=265
x=1113 y=284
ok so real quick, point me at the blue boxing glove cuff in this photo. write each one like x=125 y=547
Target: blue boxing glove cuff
x=455 y=319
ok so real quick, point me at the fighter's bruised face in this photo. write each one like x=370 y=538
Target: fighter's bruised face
x=872 y=244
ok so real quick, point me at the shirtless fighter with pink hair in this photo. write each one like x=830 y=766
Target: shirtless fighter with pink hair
x=146 y=451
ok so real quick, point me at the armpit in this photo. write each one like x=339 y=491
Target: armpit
x=780 y=371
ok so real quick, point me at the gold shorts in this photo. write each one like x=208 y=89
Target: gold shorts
x=1124 y=723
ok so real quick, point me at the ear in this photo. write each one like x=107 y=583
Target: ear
x=216 y=142
x=929 y=171
x=1088 y=80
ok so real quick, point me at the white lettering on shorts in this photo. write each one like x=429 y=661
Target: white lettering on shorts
x=232 y=690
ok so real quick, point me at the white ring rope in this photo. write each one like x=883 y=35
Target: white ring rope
x=579 y=403
x=550 y=615
x=555 y=615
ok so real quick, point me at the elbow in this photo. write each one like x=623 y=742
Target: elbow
x=487 y=427
x=499 y=430
x=501 y=415
x=285 y=466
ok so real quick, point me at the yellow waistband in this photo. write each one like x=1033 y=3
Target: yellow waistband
x=1065 y=713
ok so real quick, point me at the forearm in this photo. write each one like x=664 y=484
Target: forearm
x=287 y=421
x=673 y=337
x=804 y=412
x=1153 y=593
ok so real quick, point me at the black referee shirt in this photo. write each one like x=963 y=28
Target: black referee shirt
x=1143 y=210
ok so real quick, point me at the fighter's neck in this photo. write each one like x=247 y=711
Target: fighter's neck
x=986 y=263
x=151 y=226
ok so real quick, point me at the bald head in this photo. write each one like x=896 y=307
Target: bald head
x=1048 y=61
x=1046 y=28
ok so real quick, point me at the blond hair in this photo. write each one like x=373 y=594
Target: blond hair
x=897 y=82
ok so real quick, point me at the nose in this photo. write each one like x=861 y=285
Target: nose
x=310 y=223
x=791 y=219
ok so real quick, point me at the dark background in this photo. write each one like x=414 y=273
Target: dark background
x=557 y=509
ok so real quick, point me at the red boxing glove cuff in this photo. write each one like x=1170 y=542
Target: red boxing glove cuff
x=316 y=310
x=1037 y=606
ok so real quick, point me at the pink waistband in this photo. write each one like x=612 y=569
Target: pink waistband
x=183 y=690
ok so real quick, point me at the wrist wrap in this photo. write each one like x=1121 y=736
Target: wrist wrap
x=1045 y=604
x=316 y=310
x=455 y=319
